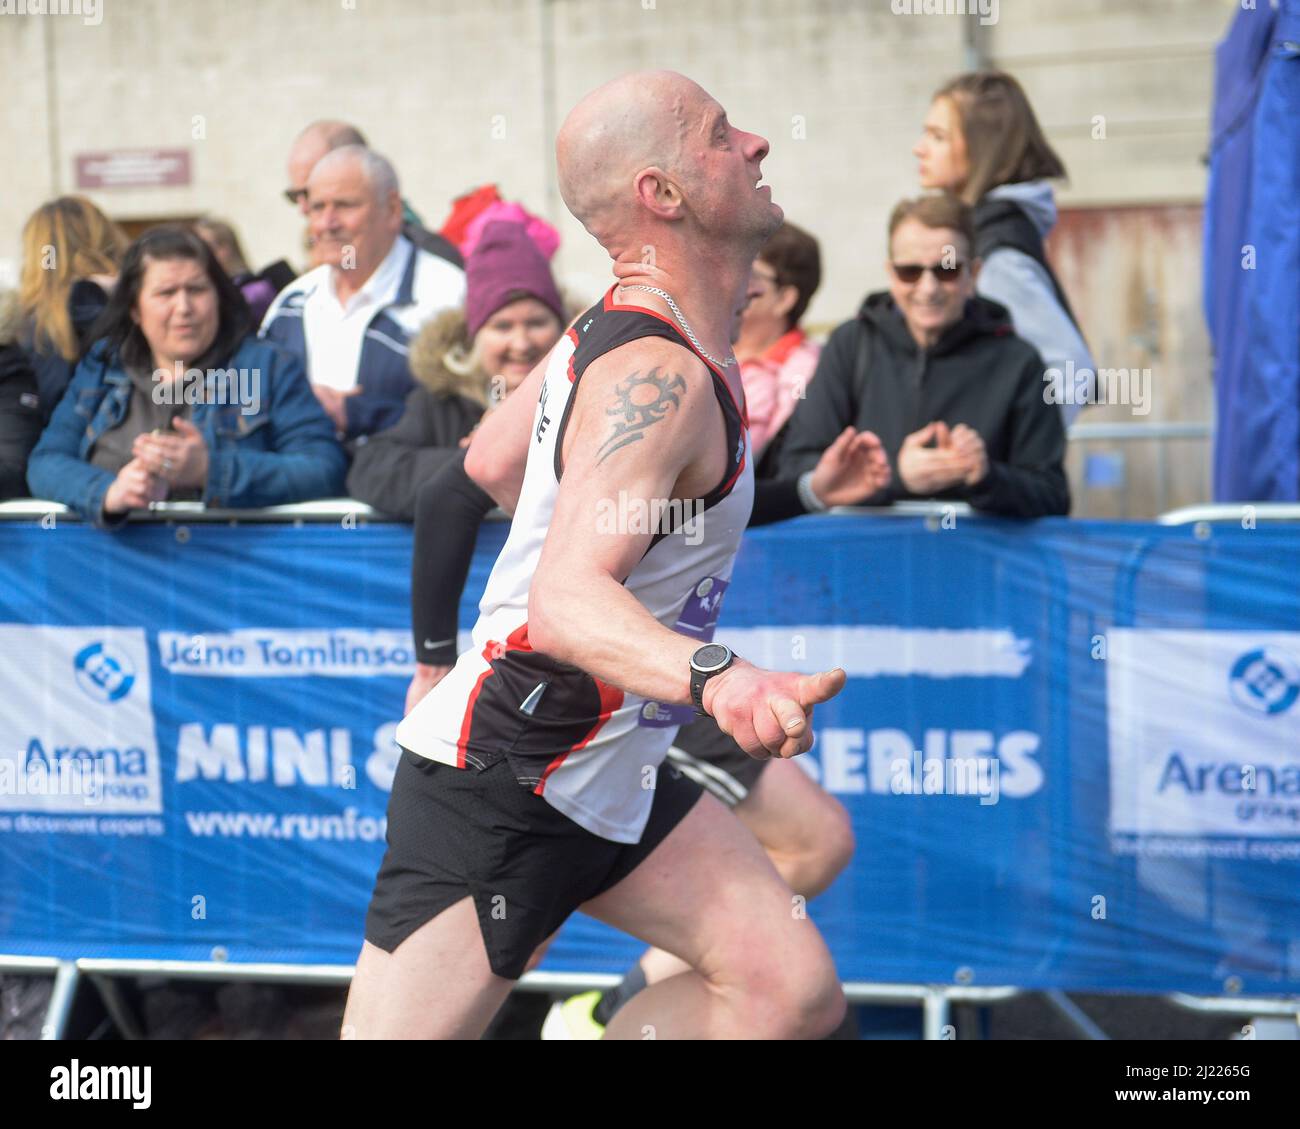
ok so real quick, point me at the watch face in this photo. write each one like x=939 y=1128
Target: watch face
x=710 y=657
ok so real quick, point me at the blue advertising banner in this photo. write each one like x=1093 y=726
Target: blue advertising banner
x=1070 y=750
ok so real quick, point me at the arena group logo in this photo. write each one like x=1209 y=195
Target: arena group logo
x=67 y=751
x=1265 y=680
x=1184 y=763
x=104 y=672
x=82 y=776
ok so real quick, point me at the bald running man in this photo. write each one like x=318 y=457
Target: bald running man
x=529 y=786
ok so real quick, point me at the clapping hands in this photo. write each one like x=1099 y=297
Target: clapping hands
x=957 y=457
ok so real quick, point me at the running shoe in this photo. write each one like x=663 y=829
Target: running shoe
x=573 y=1019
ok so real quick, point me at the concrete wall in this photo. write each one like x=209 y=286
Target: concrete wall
x=462 y=92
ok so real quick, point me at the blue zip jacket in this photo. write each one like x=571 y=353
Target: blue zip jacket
x=429 y=285
x=283 y=452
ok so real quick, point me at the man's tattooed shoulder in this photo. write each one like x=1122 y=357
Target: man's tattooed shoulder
x=639 y=402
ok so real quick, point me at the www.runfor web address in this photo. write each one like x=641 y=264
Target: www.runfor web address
x=346 y=825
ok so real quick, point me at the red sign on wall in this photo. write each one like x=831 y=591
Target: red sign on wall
x=133 y=168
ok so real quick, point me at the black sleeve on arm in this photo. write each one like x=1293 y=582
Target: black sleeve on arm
x=449 y=509
x=1031 y=482
x=390 y=467
x=828 y=407
x=20 y=421
x=775 y=499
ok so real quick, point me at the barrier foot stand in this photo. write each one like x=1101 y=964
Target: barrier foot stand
x=66 y=980
x=115 y=1004
x=1074 y=1015
x=935 y=1010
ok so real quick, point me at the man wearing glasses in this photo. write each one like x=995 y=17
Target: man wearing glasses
x=351 y=319
x=320 y=138
x=958 y=400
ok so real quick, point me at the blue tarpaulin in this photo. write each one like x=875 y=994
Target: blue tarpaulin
x=1070 y=750
x=1252 y=255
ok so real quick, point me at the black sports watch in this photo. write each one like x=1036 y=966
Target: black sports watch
x=711 y=659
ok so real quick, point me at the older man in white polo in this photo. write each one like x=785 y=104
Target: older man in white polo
x=350 y=319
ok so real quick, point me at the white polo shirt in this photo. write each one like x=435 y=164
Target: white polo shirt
x=334 y=331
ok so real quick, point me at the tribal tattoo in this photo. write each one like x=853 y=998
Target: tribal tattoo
x=640 y=402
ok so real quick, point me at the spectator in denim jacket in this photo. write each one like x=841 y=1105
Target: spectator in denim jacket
x=177 y=400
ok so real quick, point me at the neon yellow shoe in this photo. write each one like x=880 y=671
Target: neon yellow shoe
x=572 y=1018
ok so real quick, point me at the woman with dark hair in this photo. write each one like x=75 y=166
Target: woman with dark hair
x=259 y=290
x=982 y=142
x=777 y=359
x=176 y=399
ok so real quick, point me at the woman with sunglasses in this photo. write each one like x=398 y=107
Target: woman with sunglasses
x=938 y=374
x=982 y=142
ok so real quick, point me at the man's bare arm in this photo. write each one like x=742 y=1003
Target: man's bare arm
x=637 y=433
x=498 y=453
x=630 y=432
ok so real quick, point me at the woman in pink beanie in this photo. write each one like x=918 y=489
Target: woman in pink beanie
x=464 y=362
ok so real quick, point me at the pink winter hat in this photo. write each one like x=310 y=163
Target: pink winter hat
x=504 y=264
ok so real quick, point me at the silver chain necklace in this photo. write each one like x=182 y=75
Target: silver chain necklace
x=686 y=326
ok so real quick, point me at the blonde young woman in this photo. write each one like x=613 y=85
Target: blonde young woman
x=71 y=256
x=982 y=143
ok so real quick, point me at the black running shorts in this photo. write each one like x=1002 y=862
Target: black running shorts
x=458 y=832
x=714 y=761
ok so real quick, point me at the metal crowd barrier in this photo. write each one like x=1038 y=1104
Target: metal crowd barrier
x=935 y=1000
x=324 y=510
x=1209 y=513
x=1160 y=433
x=329 y=510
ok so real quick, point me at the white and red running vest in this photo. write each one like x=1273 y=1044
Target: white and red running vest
x=590 y=749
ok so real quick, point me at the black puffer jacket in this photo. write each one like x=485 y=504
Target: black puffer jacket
x=21 y=416
x=873 y=375
x=86 y=301
x=389 y=468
